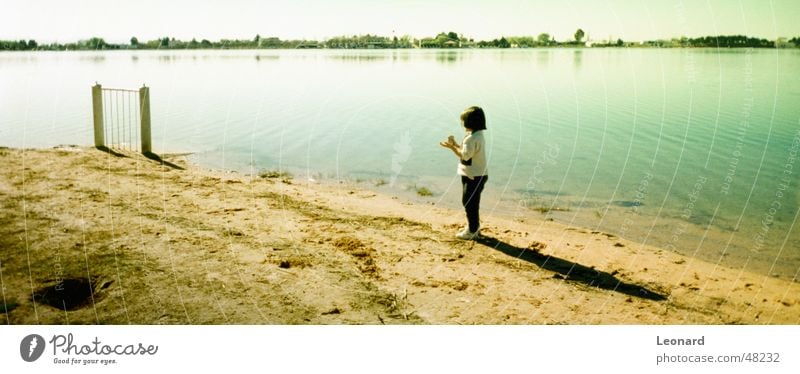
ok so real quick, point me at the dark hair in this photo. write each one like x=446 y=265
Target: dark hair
x=473 y=118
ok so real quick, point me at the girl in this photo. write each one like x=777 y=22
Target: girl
x=471 y=168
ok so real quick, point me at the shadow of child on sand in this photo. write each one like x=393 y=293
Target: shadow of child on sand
x=572 y=271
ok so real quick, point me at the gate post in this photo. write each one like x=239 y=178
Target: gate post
x=144 y=106
x=97 y=110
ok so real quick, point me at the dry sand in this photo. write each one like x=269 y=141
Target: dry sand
x=125 y=239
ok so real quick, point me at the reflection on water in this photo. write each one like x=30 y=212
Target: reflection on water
x=543 y=57
x=359 y=57
x=443 y=56
x=448 y=56
x=267 y=57
x=95 y=58
x=577 y=58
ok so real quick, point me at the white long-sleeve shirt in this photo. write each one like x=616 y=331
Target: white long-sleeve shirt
x=473 y=156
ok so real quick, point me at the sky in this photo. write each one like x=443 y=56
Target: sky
x=633 y=20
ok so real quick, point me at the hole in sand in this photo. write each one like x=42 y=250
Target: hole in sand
x=69 y=294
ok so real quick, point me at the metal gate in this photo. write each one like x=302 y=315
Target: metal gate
x=122 y=118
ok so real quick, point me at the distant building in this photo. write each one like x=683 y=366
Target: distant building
x=308 y=45
x=783 y=43
x=428 y=43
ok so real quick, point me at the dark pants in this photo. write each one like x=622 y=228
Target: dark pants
x=471 y=199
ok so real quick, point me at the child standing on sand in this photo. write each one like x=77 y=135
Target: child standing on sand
x=471 y=168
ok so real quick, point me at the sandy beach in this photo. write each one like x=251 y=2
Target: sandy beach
x=92 y=237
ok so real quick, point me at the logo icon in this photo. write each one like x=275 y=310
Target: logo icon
x=31 y=347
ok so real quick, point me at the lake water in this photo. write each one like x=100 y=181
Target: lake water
x=692 y=150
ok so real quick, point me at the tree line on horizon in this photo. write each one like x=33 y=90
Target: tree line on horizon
x=442 y=40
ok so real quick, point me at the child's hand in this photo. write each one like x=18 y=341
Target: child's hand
x=450 y=143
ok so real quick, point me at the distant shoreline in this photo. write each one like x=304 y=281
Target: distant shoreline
x=449 y=40
x=396 y=49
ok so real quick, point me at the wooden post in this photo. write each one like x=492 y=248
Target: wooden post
x=144 y=106
x=97 y=109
